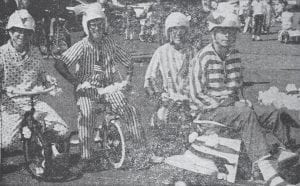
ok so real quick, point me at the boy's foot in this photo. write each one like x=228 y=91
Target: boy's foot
x=283 y=157
x=286 y=158
x=142 y=38
x=82 y=166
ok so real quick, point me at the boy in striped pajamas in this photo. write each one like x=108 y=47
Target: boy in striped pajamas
x=215 y=84
x=169 y=65
x=94 y=57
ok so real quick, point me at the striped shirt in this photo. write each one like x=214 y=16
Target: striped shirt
x=94 y=63
x=213 y=79
x=168 y=64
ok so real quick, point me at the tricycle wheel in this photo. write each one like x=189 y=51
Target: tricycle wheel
x=115 y=144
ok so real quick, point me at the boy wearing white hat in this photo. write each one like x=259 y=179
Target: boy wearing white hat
x=22 y=69
x=215 y=85
x=94 y=57
x=170 y=62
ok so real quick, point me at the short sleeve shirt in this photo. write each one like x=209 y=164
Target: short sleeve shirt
x=23 y=72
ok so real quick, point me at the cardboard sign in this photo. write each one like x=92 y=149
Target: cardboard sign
x=210 y=155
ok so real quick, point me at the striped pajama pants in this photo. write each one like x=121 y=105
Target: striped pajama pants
x=87 y=117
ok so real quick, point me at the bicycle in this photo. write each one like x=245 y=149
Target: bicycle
x=108 y=138
x=39 y=151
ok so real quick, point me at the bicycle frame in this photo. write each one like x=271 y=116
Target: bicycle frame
x=29 y=118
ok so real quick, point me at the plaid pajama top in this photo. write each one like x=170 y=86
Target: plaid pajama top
x=23 y=71
x=95 y=63
x=214 y=78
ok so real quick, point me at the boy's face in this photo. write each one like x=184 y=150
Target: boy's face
x=20 y=37
x=97 y=29
x=178 y=35
x=225 y=37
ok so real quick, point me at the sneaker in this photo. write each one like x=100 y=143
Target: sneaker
x=256 y=171
x=286 y=158
x=141 y=37
x=82 y=166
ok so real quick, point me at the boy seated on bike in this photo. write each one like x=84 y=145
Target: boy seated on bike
x=94 y=57
x=216 y=83
x=21 y=69
x=169 y=65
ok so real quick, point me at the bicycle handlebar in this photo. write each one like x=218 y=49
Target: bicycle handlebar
x=107 y=90
x=111 y=88
x=30 y=94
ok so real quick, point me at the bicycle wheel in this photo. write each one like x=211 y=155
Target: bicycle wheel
x=35 y=155
x=42 y=162
x=115 y=144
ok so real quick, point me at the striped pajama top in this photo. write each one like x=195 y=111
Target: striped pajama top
x=166 y=67
x=96 y=63
x=214 y=79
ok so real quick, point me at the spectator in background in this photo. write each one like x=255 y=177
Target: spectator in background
x=258 y=15
x=143 y=20
x=269 y=12
x=152 y=23
x=249 y=18
x=130 y=22
x=158 y=17
x=109 y=6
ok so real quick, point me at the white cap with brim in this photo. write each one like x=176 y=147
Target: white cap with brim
x=21 y=19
